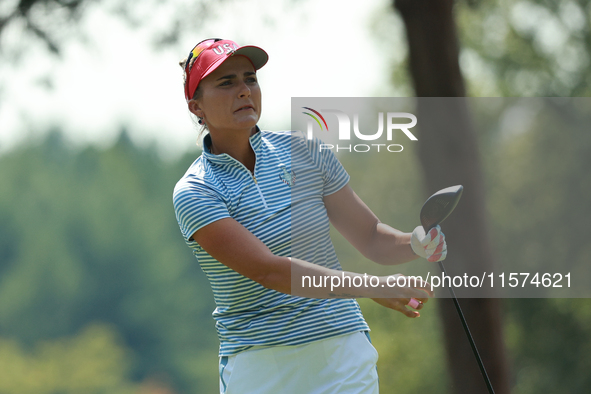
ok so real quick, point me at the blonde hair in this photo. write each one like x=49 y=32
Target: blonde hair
x=197 y=121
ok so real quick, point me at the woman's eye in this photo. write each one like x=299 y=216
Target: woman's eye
x=225 y=83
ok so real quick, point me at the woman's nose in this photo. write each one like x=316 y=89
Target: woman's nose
x=244 y=90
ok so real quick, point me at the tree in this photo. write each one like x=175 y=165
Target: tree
x=35 y=14
x=49 y=20
x=450 y=157
x=526 y=48
x=106 y=249
x=91 y=362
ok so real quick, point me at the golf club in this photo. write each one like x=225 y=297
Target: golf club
x=434 y=211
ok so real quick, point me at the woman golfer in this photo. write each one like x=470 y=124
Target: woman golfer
x=255 y=209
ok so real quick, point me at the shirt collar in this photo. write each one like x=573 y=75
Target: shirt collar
x=224 y=158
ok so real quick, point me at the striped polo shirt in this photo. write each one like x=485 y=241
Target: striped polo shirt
x=282 y=205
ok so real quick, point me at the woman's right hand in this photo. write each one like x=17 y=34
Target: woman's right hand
x=418 y=290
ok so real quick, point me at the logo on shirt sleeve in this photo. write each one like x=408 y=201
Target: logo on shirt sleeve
x=287 y=176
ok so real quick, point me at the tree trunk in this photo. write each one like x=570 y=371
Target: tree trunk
x=448 y=152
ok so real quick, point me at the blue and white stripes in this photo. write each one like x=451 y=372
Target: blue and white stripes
x=281 y=204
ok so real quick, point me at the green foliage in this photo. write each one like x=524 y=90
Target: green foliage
x=549 y=340
x=539 y=189
x=411 y=354
x=91 y=236
x=526 y=47
x=91 y=362
x=511 y=48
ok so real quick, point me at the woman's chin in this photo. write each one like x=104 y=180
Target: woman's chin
x=247 y=121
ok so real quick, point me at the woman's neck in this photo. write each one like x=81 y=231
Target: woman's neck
x=236 y=144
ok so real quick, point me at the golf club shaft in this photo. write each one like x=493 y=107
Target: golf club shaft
x=469 y=335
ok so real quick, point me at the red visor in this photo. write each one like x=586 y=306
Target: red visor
x=209 y=54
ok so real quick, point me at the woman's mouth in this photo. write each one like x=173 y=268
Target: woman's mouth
x=245 y=108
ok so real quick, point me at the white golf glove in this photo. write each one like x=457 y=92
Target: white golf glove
x=430 y=246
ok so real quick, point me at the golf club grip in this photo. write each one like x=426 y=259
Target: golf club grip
x=468 y=334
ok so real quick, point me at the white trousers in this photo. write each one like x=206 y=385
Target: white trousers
x=340 y=365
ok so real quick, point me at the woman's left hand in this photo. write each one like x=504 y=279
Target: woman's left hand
x=431 y=246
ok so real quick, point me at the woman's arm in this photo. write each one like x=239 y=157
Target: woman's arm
x=361 y=227
x=233 y=245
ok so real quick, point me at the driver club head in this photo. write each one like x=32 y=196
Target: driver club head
x=438 y=207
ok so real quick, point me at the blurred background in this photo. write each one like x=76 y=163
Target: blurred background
x=99 y=293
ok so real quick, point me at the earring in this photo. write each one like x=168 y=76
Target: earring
x=200 y=121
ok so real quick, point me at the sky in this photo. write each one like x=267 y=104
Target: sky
x=111 y=75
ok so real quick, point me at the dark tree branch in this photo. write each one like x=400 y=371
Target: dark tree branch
x=51 y=44
x=24 y=9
